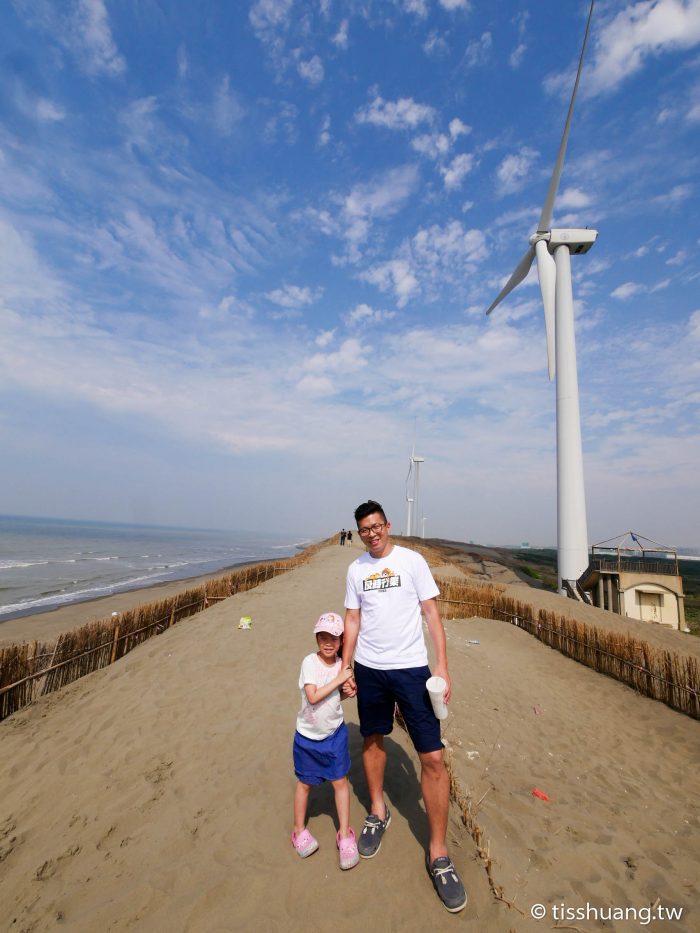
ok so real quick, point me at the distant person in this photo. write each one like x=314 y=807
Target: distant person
x=349 y=536
x=343 y=535
x=321 y=746
x=386 y=589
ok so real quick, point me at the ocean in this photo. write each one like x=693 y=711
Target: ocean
x=46 y=563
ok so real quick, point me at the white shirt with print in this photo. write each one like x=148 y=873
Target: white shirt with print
x=388 y=592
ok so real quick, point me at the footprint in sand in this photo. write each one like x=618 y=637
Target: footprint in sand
x=51 y=866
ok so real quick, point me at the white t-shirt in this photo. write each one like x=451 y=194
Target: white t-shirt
x=388 y=592
x=319 y=720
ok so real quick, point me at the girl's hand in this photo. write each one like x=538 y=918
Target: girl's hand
x=346 y=674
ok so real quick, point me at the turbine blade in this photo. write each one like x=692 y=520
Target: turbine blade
x=546 y=216
x=521 y=270
x=547 y=274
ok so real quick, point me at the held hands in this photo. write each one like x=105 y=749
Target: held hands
x=345 y=675
x=349 y=687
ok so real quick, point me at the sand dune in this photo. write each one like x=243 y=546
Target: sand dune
x=156 y=794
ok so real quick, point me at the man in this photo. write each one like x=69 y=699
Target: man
x=386 y=589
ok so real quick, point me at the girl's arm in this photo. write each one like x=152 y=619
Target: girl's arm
x=315 y=694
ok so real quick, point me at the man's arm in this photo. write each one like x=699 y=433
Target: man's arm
x=352 y=629
x=437 y=635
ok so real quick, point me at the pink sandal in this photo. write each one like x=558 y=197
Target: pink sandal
x=349 y=856
x=304 y=843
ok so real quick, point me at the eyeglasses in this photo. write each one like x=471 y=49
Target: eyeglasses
x=371 y=529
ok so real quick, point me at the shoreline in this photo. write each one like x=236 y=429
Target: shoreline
x=48 y=623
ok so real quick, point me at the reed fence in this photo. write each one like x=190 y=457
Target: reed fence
x=662 y=675
x=31 y=669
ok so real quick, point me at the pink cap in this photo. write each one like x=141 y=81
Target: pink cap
x=329 y=622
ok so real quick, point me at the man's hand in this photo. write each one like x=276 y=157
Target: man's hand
x=441 y=671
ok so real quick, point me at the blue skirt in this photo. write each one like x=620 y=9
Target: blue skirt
x=319 y=760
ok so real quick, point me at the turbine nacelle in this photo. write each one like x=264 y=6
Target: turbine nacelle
x=579 y=240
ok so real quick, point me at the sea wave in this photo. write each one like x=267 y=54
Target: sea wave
x=56 y=599
x=18 y=564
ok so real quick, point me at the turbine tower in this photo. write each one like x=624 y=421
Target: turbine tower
x=553 y=248
x=412 y=499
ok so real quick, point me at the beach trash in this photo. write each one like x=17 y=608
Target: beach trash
x=245 y=623
x=536 y=792
x=474 y=641
x=436 y=687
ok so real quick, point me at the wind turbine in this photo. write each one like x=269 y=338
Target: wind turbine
x=412 y=501
x=553 y=248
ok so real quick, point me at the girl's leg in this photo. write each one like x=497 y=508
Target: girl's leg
x=342 y=805
x=301 y=800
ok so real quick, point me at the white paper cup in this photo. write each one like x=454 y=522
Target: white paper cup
x=436 y=688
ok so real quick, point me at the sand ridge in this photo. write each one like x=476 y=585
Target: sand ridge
x=156 y=794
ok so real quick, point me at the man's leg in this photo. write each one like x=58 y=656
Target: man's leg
x=435 y=786
x=374 y=764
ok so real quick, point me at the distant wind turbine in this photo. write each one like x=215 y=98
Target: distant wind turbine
x=412 y=500
x=553 y=248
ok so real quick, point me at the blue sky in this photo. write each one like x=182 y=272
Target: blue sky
x=246 y=248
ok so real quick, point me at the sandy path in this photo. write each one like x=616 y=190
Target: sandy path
x=156 y=794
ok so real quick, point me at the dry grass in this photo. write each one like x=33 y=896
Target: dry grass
x=661 y=675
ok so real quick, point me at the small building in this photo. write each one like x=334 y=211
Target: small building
x=636 y=577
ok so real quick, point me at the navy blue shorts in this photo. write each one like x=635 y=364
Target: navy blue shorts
x=378 y=692
x=319 y=760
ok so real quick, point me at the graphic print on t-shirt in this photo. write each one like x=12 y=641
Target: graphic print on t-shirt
x=385 y=580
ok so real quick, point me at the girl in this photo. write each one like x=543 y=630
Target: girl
x=321 y=739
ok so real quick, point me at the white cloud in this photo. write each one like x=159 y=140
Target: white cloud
x=641 y=30
x=694 y=326
x=455 y=173
x=623 y=292
x=514 y=169
x=448 y=246
x=372 y=201
x=341 y=37
x=94 y=36
x=316 y=386
x=678 y=259
x=516 y=56
x=324 y=136
x=364 y=314
x=395 y=275
x=402 y=114
x=418 y=7
x=46 y=110
x=23 y=275
x=457 y=128
x=294 y=296
x=226 y=109
x=325 y=338
x=268 y=15
x=183 y=62
x=478 y=51
x=435 y=44
x=82 y=28
x=432 y=145
x=676 y=195
x=435 y=258
x=455 y=4
x=572 y=198
x=326 y=373
x=311 y=70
